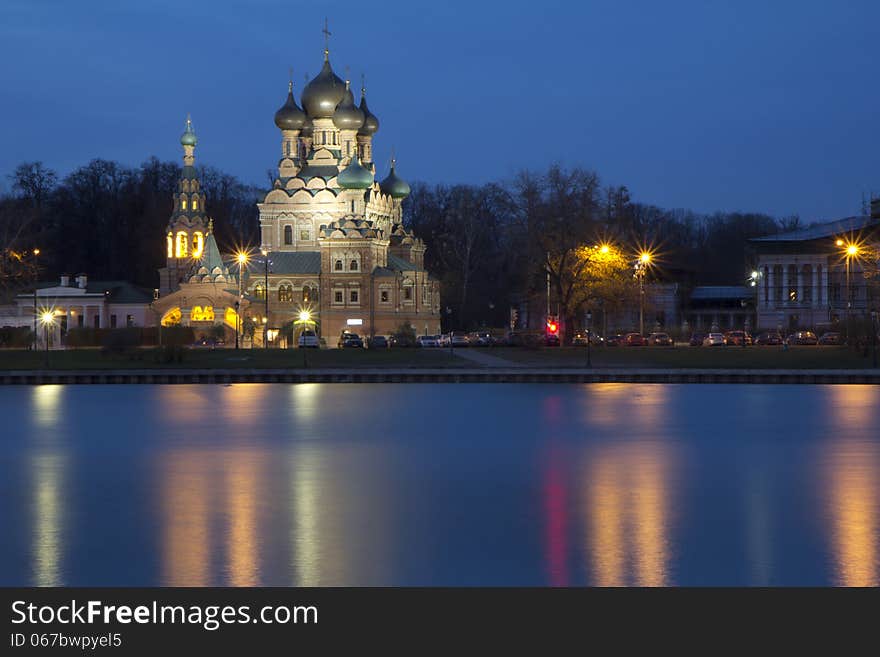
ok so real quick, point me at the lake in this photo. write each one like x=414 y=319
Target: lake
x=440 y=484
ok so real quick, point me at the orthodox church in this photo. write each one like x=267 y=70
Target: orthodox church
x=332 y=238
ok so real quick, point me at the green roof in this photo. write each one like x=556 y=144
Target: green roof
x=294 y=262
x=400 y=264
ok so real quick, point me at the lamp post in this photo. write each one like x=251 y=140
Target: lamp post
x=47 y=318
x=242 y=259
x=305 y=318
x=641 y=268
x=589 y=337
x=265 y=253
x=36 y=252
x=851 y=250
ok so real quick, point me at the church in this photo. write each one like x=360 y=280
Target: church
x=333 y=245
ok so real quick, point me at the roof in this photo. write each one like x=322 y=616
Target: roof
x=721 y=292
x=818 y=231
x=295 y=262
x=394 y=262
x=115 y=291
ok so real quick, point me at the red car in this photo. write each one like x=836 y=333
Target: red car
x=634 y=340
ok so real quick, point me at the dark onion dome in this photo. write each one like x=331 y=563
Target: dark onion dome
x=347 y=115
x=290 y=116
x=355 y=176
x=308 y=128
x=371 y=123
x=188 y=138
x=393 y=186
x=324 y=92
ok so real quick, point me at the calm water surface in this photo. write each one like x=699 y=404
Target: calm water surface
x=329 y=484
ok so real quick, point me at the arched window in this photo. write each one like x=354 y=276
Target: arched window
x=198 y=244
x=288 y=234
x=183 y=204
x=352 y=205
x=337 y=266
x=170 y=245
x=285 y=293
x=287 y=148
x=353 y=265
x=306 y=294
x=182 y=242
x=259 y=291
x=195 y=204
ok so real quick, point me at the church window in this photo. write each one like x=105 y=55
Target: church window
x=195 y=204
x=425 y=294
x=352 y=205
x=353 y=296
x=337 y=296
x=285 y=293
x=407 y=293
x=183 y=204
x=353 y=265
x=383 y=296
x=170 y=245
x=288 y=235
x=198 y=244
x=259 y=291
x=202 y=314
x=181 y=248
x=171 y=318
x=304 y=235
x=287 y=148
x=306 y=294
x=337 y=266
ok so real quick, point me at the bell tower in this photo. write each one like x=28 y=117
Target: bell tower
x=188 y=224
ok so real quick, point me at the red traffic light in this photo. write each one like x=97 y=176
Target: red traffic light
x=552 y=327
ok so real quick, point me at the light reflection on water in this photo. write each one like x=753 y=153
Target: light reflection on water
x=611 y=484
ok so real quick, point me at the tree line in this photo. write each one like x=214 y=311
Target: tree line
x=490 y=245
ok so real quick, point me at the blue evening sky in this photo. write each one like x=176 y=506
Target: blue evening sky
x=765 y=105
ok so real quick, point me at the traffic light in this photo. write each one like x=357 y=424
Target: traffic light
x=552 y=327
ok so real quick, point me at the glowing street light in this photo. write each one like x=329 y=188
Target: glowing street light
x=305 y=316
x=850 y=250
x=641 y=268
x=48 y=318
x=241 y=258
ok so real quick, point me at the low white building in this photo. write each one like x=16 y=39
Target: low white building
x=80 y=303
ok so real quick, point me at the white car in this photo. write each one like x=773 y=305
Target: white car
x=459 y=340
x=714 y=340
x=443 y=339
x=428 y=341
x=309 y=339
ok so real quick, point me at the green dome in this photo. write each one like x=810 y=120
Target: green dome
x=321 y=96
x=393 y=186
x=355 y=175
x=290 y=116
x=347 y=116
x=188 y=138
x=371 y=123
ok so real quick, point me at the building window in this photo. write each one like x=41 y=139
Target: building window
x=407 y=293
x=353 y=296
x=353 y=265
x=129 y=320
x=304 y=235
x=383 y=296
x=183 y=204
x=259 y=291
x=195 y=204
x=337 y=296
x=97 y=321
x=285 y=293
x=306 y=294
x=198 y=244
x=170 y=245
x=288 y=235
x=425 y=295
x=181 y=249
x=80 y=320
x=112 y=321
x=337 y=266
x=287 y=147
x=352 y=206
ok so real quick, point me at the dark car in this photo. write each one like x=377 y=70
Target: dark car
x=378 y=342
x=831 y=338
x=803 y=338
x=697 y=339
x=660 y=340
x=770 y=338
x=551 y=340
x=614 y=340
x=350 y=341
x=634 y=340
x=738 y=338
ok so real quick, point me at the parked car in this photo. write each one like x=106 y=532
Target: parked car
x=428 y=341
x=714 y=340
x=552 y=340
x=697 y=339
x=770 y=338
x=614 y=340
x=580 y=339
x=483 y=339
x=803 y=338
x=459 y=339
x=660 y=340
x=350 y=341
x=634 y=340
x=378 y=342
x=443 y=339
x=737 y=338
x=831 y=338
x=308 y=339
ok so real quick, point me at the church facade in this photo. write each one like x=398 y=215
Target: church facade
x=332 y=238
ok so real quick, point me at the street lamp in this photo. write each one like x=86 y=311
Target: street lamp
x=589 y=338
x=241 y=257
x=265 y=253
x=36 y=252
x=641 y=268
x=850 y=251
x=305 y=318
x=47 y=318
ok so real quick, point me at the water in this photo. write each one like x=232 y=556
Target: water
x=329 y=484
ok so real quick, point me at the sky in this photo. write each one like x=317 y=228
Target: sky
x=739 y=105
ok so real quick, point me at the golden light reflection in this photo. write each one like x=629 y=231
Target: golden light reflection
x=306 y=401
x=186 y=509
x=627 y=502
x=47 y=404
x=244 y=472
x=47 y=481
x=305 y=536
